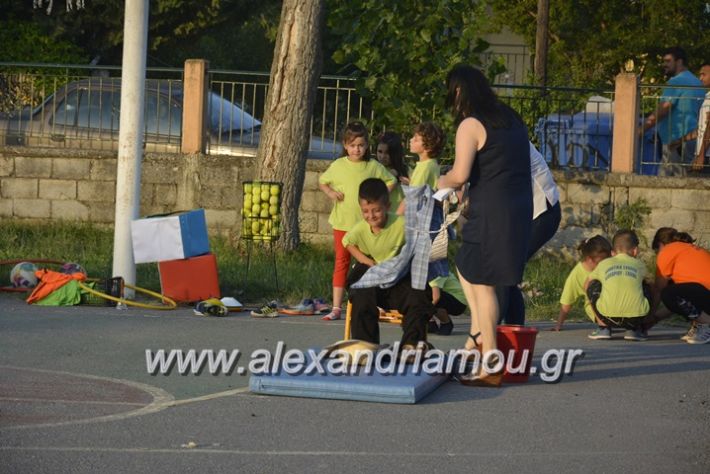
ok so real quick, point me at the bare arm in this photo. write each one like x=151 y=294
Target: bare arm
x=663 y=109
x=330 y=192
x=470 y=137
x=435 y=294
x=359 y=256
x=564 y=311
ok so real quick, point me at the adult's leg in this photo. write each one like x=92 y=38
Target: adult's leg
x=544 y=228
x=511 y=303
x=484 y=313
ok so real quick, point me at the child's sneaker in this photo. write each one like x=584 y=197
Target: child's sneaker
x=304 y=308
x=334 y=315
x=688 y=308
x=269 y=310
x=701 y=336
x=690 y=333
x=320 y=305
x=635 y=335
x=600 y=334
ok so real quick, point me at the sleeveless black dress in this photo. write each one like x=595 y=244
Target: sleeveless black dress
x=496 y=236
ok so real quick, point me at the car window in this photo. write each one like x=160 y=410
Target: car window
x=226 y=116
x=162 y=115
x=65 y=112
x=99 y=109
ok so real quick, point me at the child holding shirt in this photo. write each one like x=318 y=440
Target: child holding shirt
x=340 y=183
x=377 y=238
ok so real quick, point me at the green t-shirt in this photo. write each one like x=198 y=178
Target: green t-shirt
x=574 y=288
x=622 y=291
x=382 y=246
x=451 y=285
x=425 y=172
x=345 y=176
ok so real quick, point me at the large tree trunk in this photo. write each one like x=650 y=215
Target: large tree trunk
x=285 y=132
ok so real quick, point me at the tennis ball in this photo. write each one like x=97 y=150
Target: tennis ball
x=255 y=209
x=247 y=188
x=255 y=227
x=275 y=190
x=273 y=200
x=264 y=213
x=273 y=210
x=265 y=195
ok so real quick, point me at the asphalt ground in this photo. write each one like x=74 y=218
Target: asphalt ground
x=75 y=396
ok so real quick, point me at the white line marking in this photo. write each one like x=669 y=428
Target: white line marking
x=55 y=400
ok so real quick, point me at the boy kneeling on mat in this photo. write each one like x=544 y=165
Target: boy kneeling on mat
x=379 y=237
x=617 y=291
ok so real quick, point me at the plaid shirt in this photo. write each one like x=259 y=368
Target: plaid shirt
x=414 y=256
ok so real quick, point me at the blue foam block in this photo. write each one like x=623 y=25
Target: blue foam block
x=375 y=387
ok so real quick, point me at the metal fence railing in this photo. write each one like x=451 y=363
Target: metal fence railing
x=669 y=148
x=78 y=107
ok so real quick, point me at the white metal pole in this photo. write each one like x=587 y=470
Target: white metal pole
x=130 y=137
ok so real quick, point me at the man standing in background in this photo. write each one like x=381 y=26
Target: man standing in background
x=676 y=117
x=702 y=156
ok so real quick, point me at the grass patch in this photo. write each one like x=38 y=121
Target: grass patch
x=305 y=272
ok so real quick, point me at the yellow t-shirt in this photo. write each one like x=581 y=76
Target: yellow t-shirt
x=425 y=172
x=574 y=288
x=345 y=177
x=451 y=285
x=382 y=246
x=622 y=291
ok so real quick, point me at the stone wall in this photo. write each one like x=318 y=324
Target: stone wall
x=51 y=184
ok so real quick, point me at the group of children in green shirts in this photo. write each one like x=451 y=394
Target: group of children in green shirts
x=611 y=278
x=368 y=214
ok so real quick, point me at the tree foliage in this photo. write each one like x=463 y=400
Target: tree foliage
x=590 y=41
x=229 y=33
x=401 y=50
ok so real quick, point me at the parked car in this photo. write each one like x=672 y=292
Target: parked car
x=85 y=114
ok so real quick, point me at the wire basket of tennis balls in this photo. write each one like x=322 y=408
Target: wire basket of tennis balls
x=261 y=210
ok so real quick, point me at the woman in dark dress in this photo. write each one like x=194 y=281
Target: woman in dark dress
x=492 y=154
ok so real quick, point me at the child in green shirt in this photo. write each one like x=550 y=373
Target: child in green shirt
x=380 y=237
x=592 y=251
x=617 y=291
x=428 y=143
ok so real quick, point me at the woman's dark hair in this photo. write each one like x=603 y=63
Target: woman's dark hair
x=355 y=130
x=469 y=94
x=395 y=152
x=596 y=246
x=667 y=235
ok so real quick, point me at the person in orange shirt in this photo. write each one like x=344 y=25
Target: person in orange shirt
x=682 y=282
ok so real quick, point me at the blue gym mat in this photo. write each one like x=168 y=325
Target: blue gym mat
x=375 y=387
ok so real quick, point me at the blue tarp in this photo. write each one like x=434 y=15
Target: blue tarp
x=584 y=140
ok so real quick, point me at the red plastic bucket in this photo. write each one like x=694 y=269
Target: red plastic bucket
x=518 y=339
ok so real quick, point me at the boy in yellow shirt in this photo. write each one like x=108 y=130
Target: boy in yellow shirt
x=427 y=143
x=617 y=291
x=380 y=237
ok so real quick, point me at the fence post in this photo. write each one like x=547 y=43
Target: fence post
x=626 y=115
x=194 y=106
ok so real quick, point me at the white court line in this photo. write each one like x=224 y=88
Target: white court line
x=80 y=402
x=161 y=399
x=436 y=454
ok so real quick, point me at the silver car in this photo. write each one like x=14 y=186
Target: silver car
x=85 y=114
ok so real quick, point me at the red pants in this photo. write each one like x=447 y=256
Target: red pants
x=342 y=259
